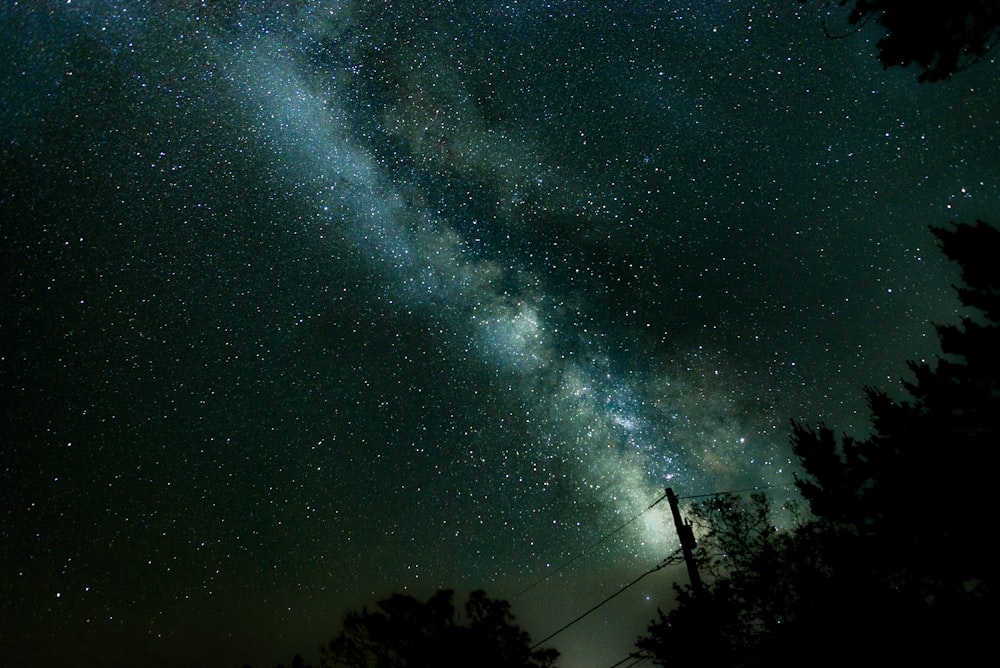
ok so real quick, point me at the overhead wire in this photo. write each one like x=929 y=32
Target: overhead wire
x=666 y=562
x=588 y=550
x=737 y=491
x=669 y=560
x=622 y=526
x=639 y=658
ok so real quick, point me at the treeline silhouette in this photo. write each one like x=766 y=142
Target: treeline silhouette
x=894 y=561
x=938 y=38
x=404 y=632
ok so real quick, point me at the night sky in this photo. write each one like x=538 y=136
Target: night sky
x=308 y=303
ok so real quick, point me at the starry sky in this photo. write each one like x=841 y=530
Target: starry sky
x=305 y=303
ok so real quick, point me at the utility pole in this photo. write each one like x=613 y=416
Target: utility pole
x=686 y=534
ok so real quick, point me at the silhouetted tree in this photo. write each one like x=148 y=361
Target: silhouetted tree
x=405 y=633
x=915 y=499
x=895 y=564
x=743 y=559
x=297 y=662
x=939 y=37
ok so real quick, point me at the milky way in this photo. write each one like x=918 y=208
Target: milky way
x=308 y=303
x=584 y=413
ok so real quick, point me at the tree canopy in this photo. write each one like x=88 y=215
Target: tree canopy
x=406 y=633
x=916 y=486
x=940 y=38
x=894 y=562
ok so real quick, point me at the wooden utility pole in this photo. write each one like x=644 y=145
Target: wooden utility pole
x=686 y=534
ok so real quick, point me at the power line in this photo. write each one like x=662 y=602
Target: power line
x=672 y=559
x=639 y=658
x=619 y=528
x=586 y=551
x=737 y=491
x=666 y=562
